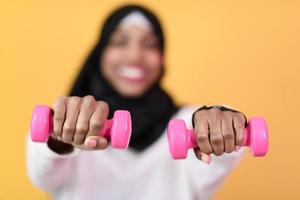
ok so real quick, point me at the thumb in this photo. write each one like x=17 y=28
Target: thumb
x=206 y=158
x=96 y=142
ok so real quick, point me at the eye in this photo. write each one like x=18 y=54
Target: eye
x=151 y=43
x=118 y=40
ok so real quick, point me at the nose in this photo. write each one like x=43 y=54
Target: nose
x=134 y=53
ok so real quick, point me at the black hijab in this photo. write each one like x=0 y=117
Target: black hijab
x=150 y=112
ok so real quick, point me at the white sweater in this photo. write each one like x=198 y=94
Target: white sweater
x=117 y=174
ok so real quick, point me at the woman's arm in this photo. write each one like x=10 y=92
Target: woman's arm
x=207 y=179
x=77 y=122
x=46 y=168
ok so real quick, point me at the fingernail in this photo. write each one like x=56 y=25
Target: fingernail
x=102 y=142
x=91 y=143
x=204 y=159
x=237 y=148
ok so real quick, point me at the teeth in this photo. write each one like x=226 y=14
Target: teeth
x=131 y=72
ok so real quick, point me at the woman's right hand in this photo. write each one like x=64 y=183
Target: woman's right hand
x=77 y=121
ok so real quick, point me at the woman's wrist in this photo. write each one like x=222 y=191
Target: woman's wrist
x=222 y=108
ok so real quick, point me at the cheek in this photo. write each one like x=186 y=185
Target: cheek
x=154 y=60
x=110 y=57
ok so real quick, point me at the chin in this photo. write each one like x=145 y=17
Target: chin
x=132 y=93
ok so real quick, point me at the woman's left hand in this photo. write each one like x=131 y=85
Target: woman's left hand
x=217 y=132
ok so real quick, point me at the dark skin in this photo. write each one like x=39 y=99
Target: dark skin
x=218 y=132
x=77 y=122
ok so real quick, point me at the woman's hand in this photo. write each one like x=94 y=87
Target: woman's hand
x=77 y=122
x=217 y=132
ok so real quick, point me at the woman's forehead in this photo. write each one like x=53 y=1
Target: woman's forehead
x=134 y=30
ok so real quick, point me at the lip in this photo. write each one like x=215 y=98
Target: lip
x=133 y=80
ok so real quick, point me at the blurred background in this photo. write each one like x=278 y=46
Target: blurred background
x=242 y=53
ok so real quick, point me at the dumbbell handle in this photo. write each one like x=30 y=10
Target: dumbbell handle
x=106 y=129
x=192 y=143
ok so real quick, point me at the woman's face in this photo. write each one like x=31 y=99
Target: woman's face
x=131 y=62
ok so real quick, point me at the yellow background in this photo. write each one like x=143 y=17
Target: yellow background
x=242 y=53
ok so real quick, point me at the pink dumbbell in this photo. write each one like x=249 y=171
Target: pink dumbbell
x=181 y=139
x=117 y=130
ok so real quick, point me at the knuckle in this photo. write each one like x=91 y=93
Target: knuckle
x=102 y=105
x=97 y=125
x=59 y=101
x=239 y=115
x=227 y=114
x=207 y=151
x=74 y=99
x=215 y=115
x=200 y=114
x=216 y=140
x=202 y=137
x=82 y=129
x=58 y=117
x=68 y=128
x=239 y=126
x=228 y=134
x=215 y=110
x=89 y=98
x=89 y=102
x=61 y=98
x=240 y=118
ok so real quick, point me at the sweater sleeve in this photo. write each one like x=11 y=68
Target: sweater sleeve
x=206 y=179
x=46 y=169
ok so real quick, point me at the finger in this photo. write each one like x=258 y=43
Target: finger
x=228 y=132
x=97 y=122
x=202 y=132
x=72 y=112
x=215 y=132
x=96 y=142
x=202 y=156
x=59 y=108
x=239 y=122
x=82 y=126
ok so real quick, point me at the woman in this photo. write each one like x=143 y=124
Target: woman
x=124 y=71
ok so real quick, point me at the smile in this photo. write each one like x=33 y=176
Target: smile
x=132 y=73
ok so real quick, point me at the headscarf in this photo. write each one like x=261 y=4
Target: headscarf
x=150 y=112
